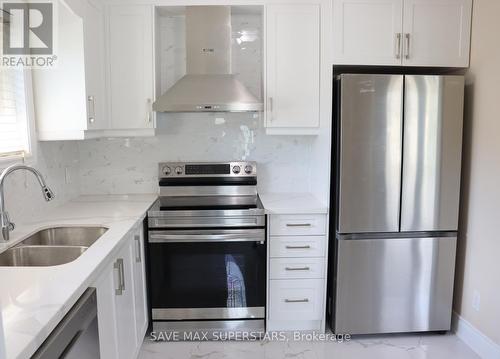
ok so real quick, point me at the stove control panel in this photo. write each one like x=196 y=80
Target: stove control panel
x=206 y=169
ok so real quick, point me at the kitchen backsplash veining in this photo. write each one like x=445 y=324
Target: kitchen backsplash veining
x=58 y=163
x=115 y=166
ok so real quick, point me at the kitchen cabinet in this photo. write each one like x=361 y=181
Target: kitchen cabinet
x=437 y=32
x=402 y=32
x=131 y=66
x=69 y=98
x=297 y=268
x=292 y=67
x=139 y=269
x=121 y=300
x=367 y=32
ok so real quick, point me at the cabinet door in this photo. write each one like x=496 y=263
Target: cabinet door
x=292 y=66
x=124 y=303
x=437 y=32
x=367 y=32
x=130 y=46
x=106 y=316
x=93 y=26
x=141 y=315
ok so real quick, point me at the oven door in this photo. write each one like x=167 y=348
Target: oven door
x=207 y=274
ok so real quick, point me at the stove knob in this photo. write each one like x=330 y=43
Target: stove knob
x=178 y=170
x=248 y=169
x=166 y=170
x=236 y=169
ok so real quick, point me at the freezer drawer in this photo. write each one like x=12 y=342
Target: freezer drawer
x=432 y=152
x=371 y=117
x=394 y=285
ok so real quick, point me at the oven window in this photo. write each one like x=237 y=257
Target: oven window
x=208 y=275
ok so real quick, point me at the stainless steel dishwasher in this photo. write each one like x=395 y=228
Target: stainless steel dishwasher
x=77 y=335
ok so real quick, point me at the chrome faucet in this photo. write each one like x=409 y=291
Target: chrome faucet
x=5 y=224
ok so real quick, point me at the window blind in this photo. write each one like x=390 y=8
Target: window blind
x=14 y=135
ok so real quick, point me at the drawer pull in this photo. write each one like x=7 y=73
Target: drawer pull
x=297 y=268
x=298 y=247
x=305 y=300
x=298 y=224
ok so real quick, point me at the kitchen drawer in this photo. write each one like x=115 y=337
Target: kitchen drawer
x=300 y=299
x=297 y=246
x=296 y=268
x=298 y=224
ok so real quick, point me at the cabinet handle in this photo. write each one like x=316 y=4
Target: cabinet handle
x=118 y=266
x=407 y=47
x=137 y=239
x=296 y=268
x=91 y=100
x=270 y=108
x=298 y=247
x=150 y=115
x=398 y=45
x=298 y=224
x=305 y=300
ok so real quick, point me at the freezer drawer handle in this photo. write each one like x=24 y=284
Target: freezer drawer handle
x=305 y=300
x=297 y=268
x=298 y=224
x=298 y=247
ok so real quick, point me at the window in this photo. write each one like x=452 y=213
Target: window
x=14 y=128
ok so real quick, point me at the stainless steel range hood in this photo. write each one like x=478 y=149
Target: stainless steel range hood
x=209 y=85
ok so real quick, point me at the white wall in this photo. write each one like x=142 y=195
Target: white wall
x=478 y=268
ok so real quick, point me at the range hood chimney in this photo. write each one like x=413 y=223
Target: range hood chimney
x=209 y=85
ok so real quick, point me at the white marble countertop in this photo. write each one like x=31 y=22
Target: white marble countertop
x=34 y=300
x=292 y=203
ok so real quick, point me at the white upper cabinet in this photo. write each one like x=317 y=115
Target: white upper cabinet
x=131 y=71
x=437 y=32
x=367 y=32
x=402 y=32
x=61 y=94
x=292 y=66
x=93 y=26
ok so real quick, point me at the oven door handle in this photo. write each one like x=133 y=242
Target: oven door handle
x=203 y=237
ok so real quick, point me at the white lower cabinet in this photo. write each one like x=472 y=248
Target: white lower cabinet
x=121 y=301
x=297 y=272
x=298 y=299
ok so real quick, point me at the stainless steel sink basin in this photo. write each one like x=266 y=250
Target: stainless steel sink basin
x=65 y=236
x=43 y=256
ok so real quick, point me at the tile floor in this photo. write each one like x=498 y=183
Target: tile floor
x=427 y=346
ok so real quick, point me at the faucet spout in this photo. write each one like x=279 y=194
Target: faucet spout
x=5 y=224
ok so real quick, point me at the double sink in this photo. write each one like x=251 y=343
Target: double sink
x=51 y=247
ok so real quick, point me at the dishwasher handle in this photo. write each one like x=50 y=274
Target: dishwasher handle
x=70 y=328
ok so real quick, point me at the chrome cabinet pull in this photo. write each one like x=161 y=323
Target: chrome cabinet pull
x=297 y=268
x=407 y=47
x=398 y=45
x=118 y=266
x=122 y=274
x=150 y=115
x=298 y=247
x=91 y=100
x=270 y=108
x=298 y=224
x=138 y=256
x=305 y=300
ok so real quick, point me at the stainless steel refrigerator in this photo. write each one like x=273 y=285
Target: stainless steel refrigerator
x=399 y=145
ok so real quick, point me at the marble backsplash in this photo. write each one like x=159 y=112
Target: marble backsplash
x=58 y=162
x=117 y=166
